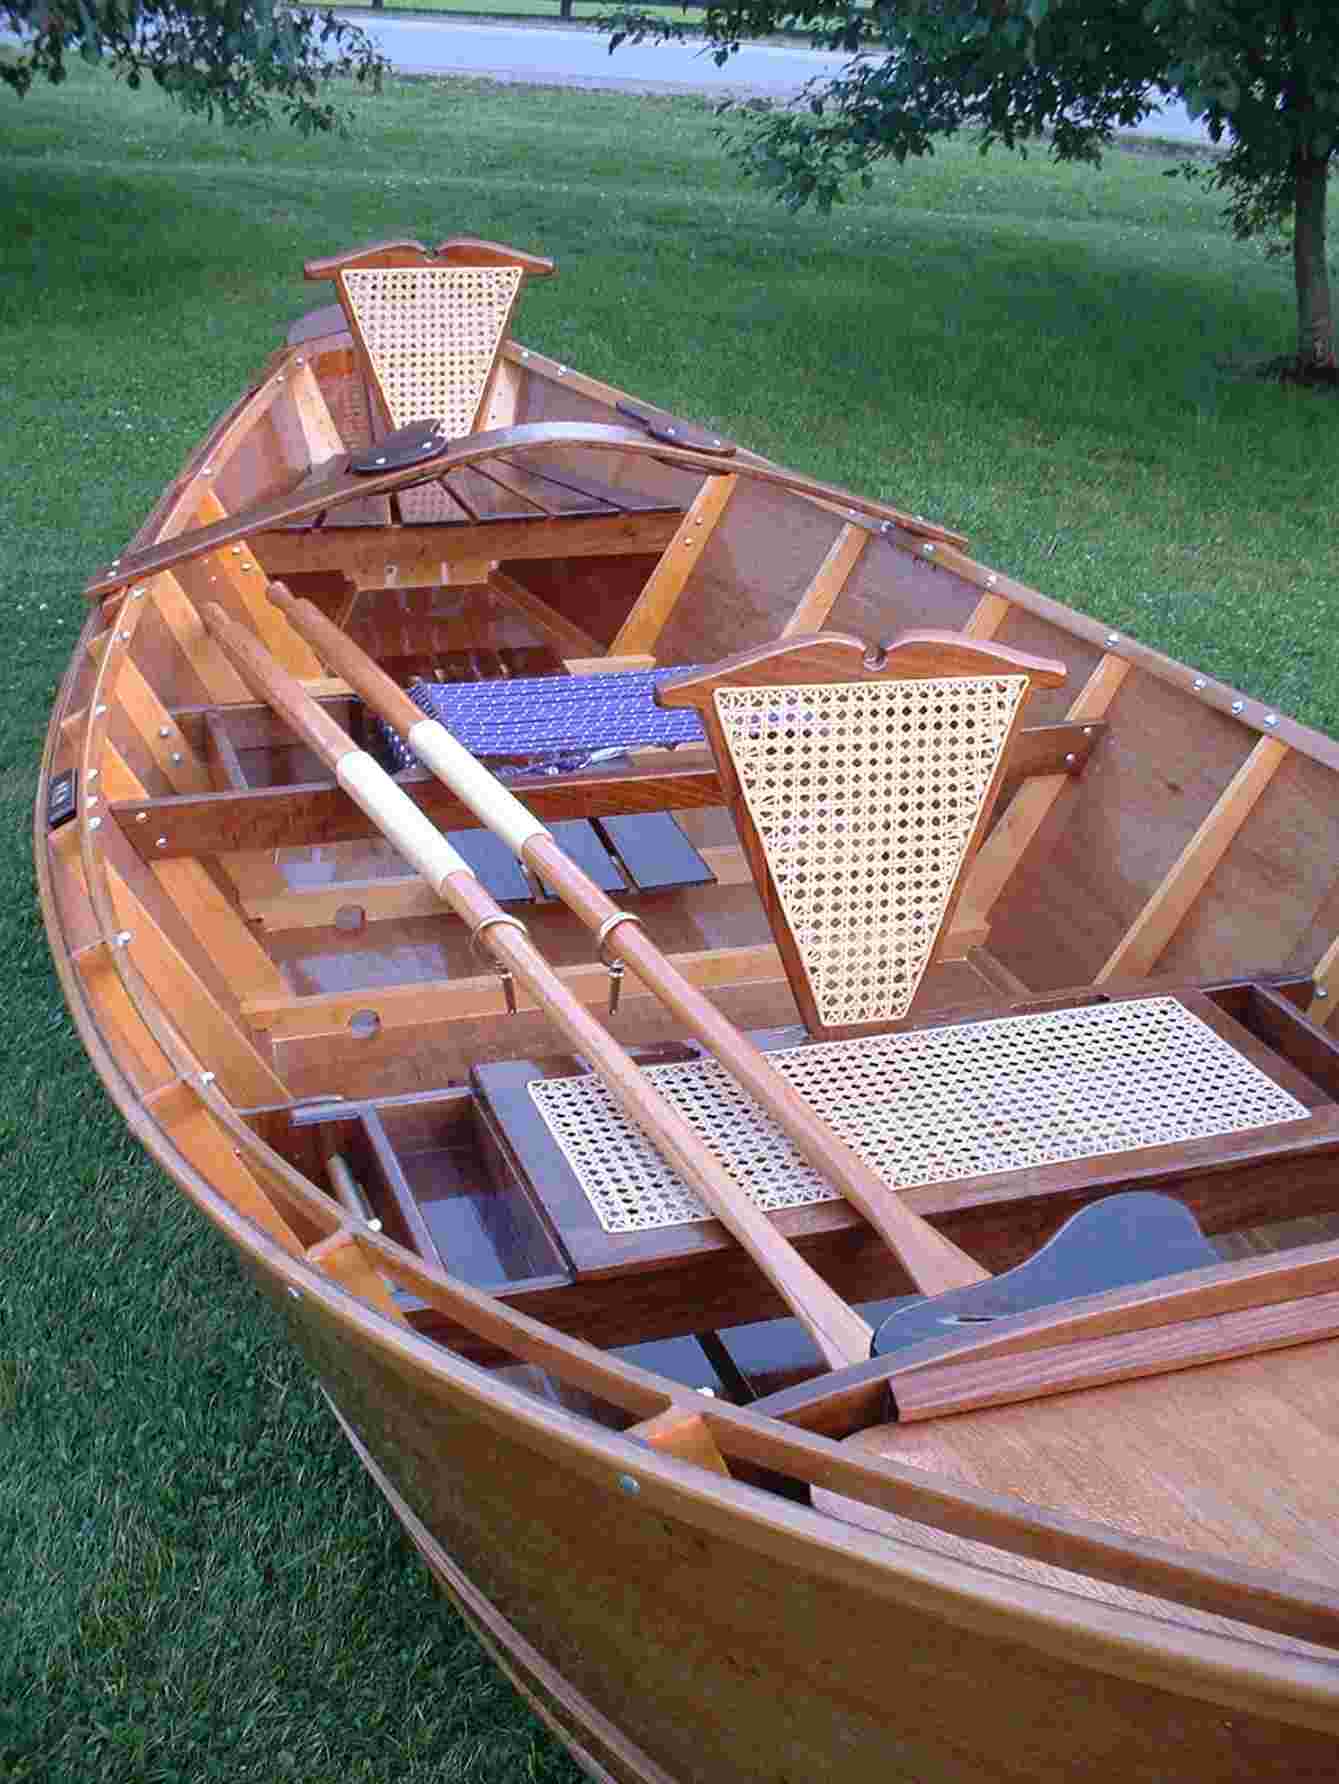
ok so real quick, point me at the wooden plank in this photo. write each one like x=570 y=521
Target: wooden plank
x=1028 y=810
x=236 y=568
x=321 y=436
x=829 y=580
x=602 y=665
x=989 y=615
x=316 y=812
x=415 y=555
x=931 y=1393
x=342 y=1257
x=157 y=730
x=1326 y=978
x=244 y=1076
x=216 y=675
x=683 y=1433
x=221 y=931
x=1147 y=937
x=466 y=1000
x=567 y=638
x=657 y=601
x=185 y=1120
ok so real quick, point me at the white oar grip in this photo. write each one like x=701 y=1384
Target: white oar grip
x=472 y=784
x=395 y=814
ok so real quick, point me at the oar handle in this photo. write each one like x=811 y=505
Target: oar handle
x=840 y=1334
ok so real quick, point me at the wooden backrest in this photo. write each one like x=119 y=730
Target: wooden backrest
x=861 y=782
x=429 y=326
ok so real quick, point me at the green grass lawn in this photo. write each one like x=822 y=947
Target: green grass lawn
x=197 y=1582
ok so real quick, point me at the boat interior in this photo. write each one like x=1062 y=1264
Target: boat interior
x=1139 y=896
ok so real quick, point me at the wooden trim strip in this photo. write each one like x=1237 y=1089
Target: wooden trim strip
x=830 y=579
x=682 y=1433
x=567 y=638
x=191 y=1128
x=290 y=1018
x=1006 y=1381
x=237 y=569
x=216 y=676
x=1029 y=808
x=1148 y=936
x=989 y=615
x=641 y=630
x=158 y=731
x=1326 y=979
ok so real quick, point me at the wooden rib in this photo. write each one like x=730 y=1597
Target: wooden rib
x=245 y=1077
x=1148 y=936
x=599 y=665
x=989 y=615
x=177 y=1109
x=829 y=580
x=343 y=1258
x=1326 y=978
x=642 y=628
x=567 y=637
x=158 y=731
x=288 y=1018
x=1028 y=810
x=229 y=943
x=321 y=436
x=682 y=1433
x=135 y=1050
x=238 y=570
x=968 y=1387
x=215 y=674
x=117 y=779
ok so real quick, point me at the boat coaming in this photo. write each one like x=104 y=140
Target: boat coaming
x=669 y=1621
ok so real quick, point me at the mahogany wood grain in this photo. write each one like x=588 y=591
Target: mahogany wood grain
x=456 y=250
x=928 y=1393
x=840 y=1334
x=933 y=1262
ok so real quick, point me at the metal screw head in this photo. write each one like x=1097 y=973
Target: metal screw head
x=525 y=353
x=98 y=711
x=177 y=756
x=92 y=774
x=1198 y=683
x=628 y=1485
x=1113 y=637
x=237 y=551
x=138 y=594
x=93 y=823
x=1087 y=730
x=1322 y=991
x=1071 y=759
x=562 y=371
x=1238 y=706
x=122 y=938
x=164 y=730
x=294 y=1294
x=991 y=580
x=125 y=638
x=300 y=360
x=141 y=817
x=927 y=550
x=1271 y=718
x=161 y=843
x=206 y=1078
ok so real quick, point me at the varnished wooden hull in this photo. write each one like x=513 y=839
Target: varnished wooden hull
x=669 y=1622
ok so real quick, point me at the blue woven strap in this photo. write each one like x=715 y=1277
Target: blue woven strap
x=556 y=723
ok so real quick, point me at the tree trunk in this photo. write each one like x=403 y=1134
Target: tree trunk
x=1315 y=324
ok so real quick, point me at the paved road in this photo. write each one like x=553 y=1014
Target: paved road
x=552 y=56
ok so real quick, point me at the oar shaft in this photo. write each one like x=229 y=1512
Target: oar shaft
x=840 y=1334
x=933 y=1262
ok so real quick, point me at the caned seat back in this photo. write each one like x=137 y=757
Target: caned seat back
x=430 y=327
x=861 y=784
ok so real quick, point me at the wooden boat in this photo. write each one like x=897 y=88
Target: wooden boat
x=1074 y=1516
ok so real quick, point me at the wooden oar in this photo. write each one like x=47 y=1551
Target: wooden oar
x=840 y=1334
x=933 y=1262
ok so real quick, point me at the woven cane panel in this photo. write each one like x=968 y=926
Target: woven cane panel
x=865 y=796
x=928 y=1106
x=432 y=334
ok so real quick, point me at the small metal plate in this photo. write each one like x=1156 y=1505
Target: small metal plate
x=62 y=799
x=412 y=445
